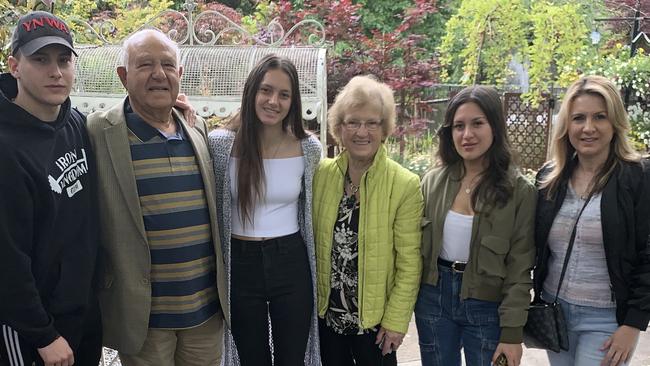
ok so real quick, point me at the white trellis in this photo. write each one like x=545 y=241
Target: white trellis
x=214 y=72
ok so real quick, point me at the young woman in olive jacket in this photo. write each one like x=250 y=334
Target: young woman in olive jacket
x=477 y=240
x=606 y=290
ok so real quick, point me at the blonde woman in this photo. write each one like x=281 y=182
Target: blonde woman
x=605 y=293
x=367 y=211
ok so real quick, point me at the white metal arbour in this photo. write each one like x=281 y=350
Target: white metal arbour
x=213 y=78
x=214 y=73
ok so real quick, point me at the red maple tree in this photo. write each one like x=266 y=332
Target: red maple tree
x=396 y=58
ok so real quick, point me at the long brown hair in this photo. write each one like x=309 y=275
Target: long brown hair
x=563 y=154
x=250 y=171
x=495 y=187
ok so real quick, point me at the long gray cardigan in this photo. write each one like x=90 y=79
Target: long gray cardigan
x=221 y=143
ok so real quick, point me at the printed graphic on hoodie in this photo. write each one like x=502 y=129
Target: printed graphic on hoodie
x=71 y=166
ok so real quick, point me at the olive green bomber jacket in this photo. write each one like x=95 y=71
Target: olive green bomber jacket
x=389 y=238
x=502 y=249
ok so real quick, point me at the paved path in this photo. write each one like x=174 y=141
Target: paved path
x=409 y=353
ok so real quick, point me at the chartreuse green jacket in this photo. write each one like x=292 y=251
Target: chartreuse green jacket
x=502 y=249
x=390 y=263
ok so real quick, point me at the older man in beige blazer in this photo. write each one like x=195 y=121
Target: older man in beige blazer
x=162 y=274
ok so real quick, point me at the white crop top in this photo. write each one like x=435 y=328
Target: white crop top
x=456 y=237
x=277 y=213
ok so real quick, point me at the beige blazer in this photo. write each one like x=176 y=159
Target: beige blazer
x=124 y=288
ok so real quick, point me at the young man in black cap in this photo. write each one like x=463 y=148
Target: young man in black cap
x=48 y=221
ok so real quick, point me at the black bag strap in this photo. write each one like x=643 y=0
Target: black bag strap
x=568 y=250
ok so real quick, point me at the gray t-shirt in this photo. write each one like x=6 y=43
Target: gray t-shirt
x=586 y=281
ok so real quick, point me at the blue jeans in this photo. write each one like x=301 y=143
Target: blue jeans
x=446 y=323
x=588 y=328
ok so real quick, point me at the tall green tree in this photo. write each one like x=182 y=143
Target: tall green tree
x=485 y=36
x=385 y=16
x=481 y=40
x=559 y=35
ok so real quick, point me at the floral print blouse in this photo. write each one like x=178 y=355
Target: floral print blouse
x=342 y=314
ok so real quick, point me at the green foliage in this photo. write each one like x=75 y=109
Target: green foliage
x=80 y=8
x=415 y=153
x=9 y=13
x=640 y=123
x=434 y=24
x=387 y=15
x=259 y=17
x=247 y=7
x=484 y=36
x=621 y=67
x=481 y=40
x=382 y=15
x=558 y=36
x=131 y=17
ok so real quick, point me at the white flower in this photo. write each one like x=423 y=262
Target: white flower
x=339 y=235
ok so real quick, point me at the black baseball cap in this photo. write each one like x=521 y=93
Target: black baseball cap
x=39 y=29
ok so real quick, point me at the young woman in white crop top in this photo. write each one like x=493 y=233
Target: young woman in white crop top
x=477 y=241
x=264 y=163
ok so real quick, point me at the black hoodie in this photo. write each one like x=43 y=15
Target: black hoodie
x=48 y=223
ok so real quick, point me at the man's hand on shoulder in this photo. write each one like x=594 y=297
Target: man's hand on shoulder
x=57 y=353
x=183 y=103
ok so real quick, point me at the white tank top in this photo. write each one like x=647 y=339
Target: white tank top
x=456 y=237
x=277 y=213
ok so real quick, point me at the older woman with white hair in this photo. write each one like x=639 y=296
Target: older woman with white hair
x=367 y=213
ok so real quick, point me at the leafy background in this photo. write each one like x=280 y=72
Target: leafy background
x=416 y=45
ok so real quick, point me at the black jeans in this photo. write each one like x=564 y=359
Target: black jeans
x=271 y=280
x=350 y=350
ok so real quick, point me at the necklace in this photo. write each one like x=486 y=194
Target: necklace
x=353 y=187
x=469 y=188
x=585 y=193
x=582 y=189
x=277 y=148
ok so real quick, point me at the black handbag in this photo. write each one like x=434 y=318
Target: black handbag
x=546 y=326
